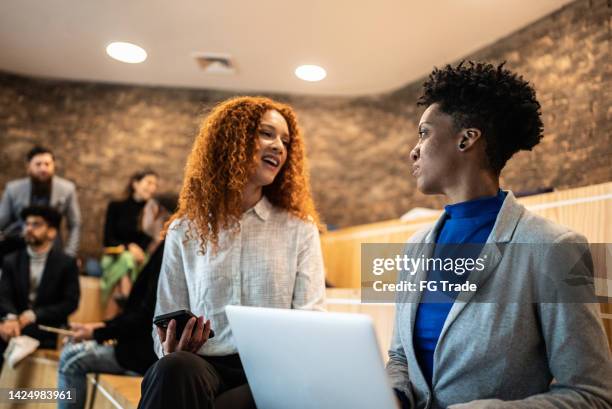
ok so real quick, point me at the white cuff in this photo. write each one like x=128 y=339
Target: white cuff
x=29 y=314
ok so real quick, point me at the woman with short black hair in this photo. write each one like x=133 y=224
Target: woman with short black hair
x=454 y=349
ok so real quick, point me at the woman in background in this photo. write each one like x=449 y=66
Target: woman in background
x=132 y=350
x=127 y=241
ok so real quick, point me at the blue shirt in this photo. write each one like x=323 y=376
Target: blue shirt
x=466 y=222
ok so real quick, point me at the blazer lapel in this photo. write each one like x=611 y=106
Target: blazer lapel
x=413 y=298
x=24 y=195
x=54 y=193
x=503 y=230
x=23 y=276
x=426 y=250
x=492 y=254
x=47 y=275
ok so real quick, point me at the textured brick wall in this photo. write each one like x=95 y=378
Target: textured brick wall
x=358 y=147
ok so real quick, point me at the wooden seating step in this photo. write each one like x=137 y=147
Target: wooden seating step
x=90 y=305
x=114 y=391
x=38 y=370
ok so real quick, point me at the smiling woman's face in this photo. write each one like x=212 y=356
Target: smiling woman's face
x=145 y=188
x=436 y=156
x=273 y=141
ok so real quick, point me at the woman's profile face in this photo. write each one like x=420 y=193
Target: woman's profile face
x=273 y=140
x=145 y=188
x=436 y=155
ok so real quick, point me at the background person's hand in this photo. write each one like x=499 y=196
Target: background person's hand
x=150 y=216
x=84 y=331
x=191 y=340
x=26 y=318
x=137 y=252
x=9 y=329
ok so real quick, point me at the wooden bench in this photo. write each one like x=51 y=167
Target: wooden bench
x=342 y=248
x=90 y=307
x=38 y=370
x=113 y=391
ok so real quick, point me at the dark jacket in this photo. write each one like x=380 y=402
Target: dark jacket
x=122 y=225
x=132 y=328
x=58 y=292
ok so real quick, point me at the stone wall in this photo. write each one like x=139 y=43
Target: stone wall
x=358 y=147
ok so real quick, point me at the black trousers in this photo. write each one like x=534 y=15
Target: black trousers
x=183 y=380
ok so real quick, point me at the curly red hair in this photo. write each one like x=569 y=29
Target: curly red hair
x=222 y=160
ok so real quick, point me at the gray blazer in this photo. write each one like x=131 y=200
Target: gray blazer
x=505 y=355
x=16 y=197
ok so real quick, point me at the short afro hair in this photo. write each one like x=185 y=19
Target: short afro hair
x=51 y=216
x=502 y=105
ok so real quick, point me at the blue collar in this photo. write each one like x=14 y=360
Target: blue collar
x=477 y=207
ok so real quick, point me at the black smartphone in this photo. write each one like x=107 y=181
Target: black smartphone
x=181 y=317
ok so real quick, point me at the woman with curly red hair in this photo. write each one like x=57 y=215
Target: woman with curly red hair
x=246 y=233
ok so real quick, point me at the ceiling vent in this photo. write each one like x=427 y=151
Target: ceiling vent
x=215 y=63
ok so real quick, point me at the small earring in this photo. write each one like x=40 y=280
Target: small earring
x=461 y=145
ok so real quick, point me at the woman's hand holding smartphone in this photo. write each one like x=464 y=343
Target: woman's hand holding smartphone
x=195 y=334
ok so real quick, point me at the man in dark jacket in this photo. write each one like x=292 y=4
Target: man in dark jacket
x=133 y=352
x=39 y=284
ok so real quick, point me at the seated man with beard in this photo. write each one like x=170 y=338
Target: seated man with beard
x=39 y=284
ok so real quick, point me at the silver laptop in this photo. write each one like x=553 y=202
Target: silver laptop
x=310 y=360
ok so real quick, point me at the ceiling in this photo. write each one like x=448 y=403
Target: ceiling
x=366 y=46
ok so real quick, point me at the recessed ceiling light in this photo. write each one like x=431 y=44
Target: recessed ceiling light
x=311 y=73
x=126 y=52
